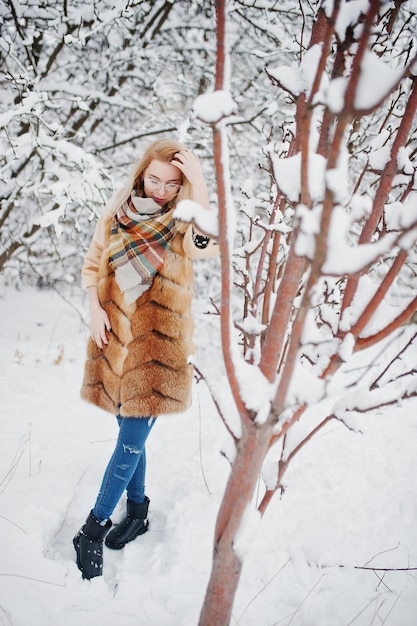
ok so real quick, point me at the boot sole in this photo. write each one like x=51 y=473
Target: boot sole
x=118 y=546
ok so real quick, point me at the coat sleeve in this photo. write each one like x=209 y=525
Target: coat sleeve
x=89 y=272
x=197 y=246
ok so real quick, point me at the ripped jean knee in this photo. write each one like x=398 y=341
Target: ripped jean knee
x=121 y=468
x=131 y=448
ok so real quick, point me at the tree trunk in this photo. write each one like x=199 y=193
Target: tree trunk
x=227 y=566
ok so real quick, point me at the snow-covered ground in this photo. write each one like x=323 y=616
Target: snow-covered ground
x=351 y=501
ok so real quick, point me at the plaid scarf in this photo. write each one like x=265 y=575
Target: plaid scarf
x=139 y=240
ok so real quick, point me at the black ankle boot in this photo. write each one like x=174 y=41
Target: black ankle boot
x=135 y=523
x=88 y=544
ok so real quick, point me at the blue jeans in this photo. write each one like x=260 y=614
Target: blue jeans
x=126 y=468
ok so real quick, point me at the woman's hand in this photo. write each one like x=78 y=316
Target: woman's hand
x=189 y=164
x=99 y=321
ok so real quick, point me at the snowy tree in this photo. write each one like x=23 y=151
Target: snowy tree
x=319 y=260
x=86 y=85
x=80 y=81
x=326 y=269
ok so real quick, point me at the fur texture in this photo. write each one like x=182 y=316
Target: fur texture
x=144 y=370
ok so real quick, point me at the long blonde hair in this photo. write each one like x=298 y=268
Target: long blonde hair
x=160 y=150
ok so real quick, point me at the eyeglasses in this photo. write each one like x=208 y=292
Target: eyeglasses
x=155 y=185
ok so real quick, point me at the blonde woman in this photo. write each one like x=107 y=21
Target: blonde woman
x=138 y=272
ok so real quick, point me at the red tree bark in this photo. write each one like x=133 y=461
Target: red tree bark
x=282 y=342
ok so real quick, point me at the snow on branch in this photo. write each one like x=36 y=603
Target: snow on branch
x=213 y=107
x=190 y=211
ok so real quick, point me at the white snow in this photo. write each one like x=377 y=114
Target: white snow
x=402 y=215
x=404 y=162
x=350 y=501
x=254 y=387
x=343 y=258
x=347 y=346
x=52 y=218
x=387 y=311
x=29 y=105
x=376 y=80
x=349 y=14
x=309 y=226
x=305 y=387
x=379 y=158
x=298 y=78
x=190 y=211
x=212 y=107
x=246 y=532
x=334 y=94
x=288 y=177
